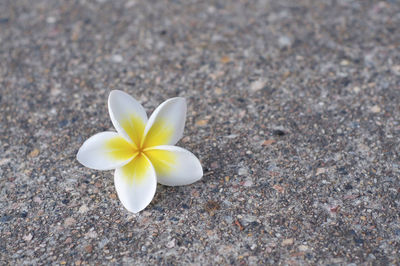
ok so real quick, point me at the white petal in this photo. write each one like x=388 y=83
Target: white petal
x=166 y=124
x=136 y=184
x=127 y=115
x=105 y=151
x=174 y=166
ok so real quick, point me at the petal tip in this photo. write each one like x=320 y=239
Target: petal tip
x=79 y=153
x=136 y=208
x=78 y=156
x=175 y=100
x=135 y=197
x=114 y=94
x=180 y=100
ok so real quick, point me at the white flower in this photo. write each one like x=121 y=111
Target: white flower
x=142 y=151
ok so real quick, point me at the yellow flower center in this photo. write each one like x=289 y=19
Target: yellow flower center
x=141 y=148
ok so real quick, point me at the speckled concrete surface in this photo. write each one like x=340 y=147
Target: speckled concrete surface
x=293 y=110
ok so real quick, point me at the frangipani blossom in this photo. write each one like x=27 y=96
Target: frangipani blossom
x=142 y=151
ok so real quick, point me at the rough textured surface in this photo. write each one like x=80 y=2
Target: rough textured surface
x=293 y=109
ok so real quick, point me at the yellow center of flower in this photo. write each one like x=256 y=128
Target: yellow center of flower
x=141 y=150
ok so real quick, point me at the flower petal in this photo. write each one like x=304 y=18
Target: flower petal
x=174 y=166
x=136 y=183
x=127 y=115
x=105 y=151
x=166 y=124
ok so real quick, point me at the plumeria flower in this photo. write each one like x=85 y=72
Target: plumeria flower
x=142 y=151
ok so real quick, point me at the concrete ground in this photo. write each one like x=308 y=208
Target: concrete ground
x=293 y=110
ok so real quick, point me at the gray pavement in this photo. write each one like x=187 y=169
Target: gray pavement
x=293 y=110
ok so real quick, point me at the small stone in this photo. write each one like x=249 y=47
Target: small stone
x=195 y=193
x=248 y=183
x=91 y=234
x=89 y=248
x=186 y=139
x=202 y=122
x=146 y=213
x=54 y=92
x=69 y=221
x=117 y=58
x=214 y=165
x=344 y=62
x=65 y=201
x=225 y=59
x=334 y=209
x=211 y=207
x=4 y=161
x=34 y=153
x=363 y=148
x=130 y=4
x=36 y=199
x=51 y=20
x=320 y=171
x=216 y=75
x=243 y=171
x=287 y=242
x=396 y=70
x=356 y=89
x=279 y=188
x=258 y=85
x=348 y=186
x=303 y=248
x=268 y=142
x=375 y=109
x=210 y=233
x=284 y=41
x=83 y=209
x=103 y=242
x=278 y=132
x=28 y=237
x=170 y=244
x=218 y=91
x=286 y=74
